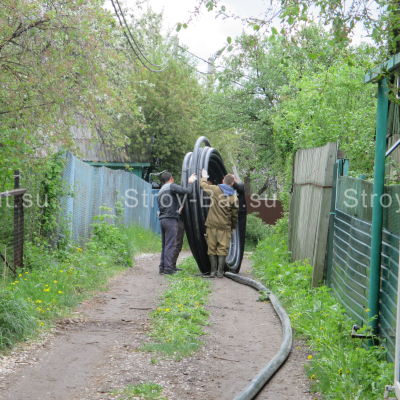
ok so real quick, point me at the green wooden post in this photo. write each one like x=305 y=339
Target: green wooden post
x=379 y=183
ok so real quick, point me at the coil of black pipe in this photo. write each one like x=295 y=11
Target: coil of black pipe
x=196 y=207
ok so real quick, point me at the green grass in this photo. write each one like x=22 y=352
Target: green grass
x=54 y=281
x=338 y=366
x=142 y=391
x=177 y=324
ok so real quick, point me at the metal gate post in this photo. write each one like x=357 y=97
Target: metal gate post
x=378 y=189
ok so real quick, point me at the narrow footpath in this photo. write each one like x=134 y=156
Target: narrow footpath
x=95 y=352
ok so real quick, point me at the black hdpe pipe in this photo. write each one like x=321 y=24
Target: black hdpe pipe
x=259 y=381
x=195 y=210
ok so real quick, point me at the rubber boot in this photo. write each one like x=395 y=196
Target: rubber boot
x=214 y=264
x=221 y=266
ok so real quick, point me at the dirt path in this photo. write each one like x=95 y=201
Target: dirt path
x=88 y=357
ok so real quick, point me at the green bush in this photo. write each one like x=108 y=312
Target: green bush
x=256 y=230
x=339 y=366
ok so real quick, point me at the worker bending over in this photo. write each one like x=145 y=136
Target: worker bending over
x=221 y=220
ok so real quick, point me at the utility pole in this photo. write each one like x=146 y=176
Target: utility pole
x=211 y=70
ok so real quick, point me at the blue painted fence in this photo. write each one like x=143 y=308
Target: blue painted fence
x=91 y=188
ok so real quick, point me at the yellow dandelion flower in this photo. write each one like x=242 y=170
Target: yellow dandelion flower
x=167 y=310
x=20 y=275
x=55 y=281
x=46 y=290
x=309 y=357
x=61 y=270
x=26 y=273
x=41 y=323
x=38 y=301
x=60 y=292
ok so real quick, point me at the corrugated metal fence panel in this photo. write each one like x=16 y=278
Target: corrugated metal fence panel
x=92 y=188
x=348 y=274
x=83 y=200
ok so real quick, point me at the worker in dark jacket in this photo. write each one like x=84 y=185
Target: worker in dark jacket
x=169 y=204
x=221 y=220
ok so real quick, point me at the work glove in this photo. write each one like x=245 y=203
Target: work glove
x=204 y=173
x=192 y=178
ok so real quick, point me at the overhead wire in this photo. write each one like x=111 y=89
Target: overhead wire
x=200 y=58
x=138 y=46
x=130 y=38
x=213 y=65
x=141 y=56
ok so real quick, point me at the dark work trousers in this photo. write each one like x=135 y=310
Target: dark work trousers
x=169 y=230
x=179 y=240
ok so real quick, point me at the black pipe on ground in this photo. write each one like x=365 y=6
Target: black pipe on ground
x=267 y=372
x=195 y=210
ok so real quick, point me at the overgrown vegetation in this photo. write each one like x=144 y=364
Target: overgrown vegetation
x=177 y=323
x=53 y=281
x=339 y=366
x=256 y=230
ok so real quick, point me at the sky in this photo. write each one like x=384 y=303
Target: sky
x=206 y=34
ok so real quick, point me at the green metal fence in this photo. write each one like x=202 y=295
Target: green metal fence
x=349 y=253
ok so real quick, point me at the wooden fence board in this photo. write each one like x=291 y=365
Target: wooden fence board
x=310 y=206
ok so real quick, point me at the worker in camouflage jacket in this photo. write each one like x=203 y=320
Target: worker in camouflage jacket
x=221 y=220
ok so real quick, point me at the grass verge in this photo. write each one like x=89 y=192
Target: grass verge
x=339 y=367
x=177 y=324
x=54 y=281
x=142 y=391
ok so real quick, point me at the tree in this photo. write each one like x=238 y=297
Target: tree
x=54 y=58
x=380 y=19
x=333 y=105
x=263 y=76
